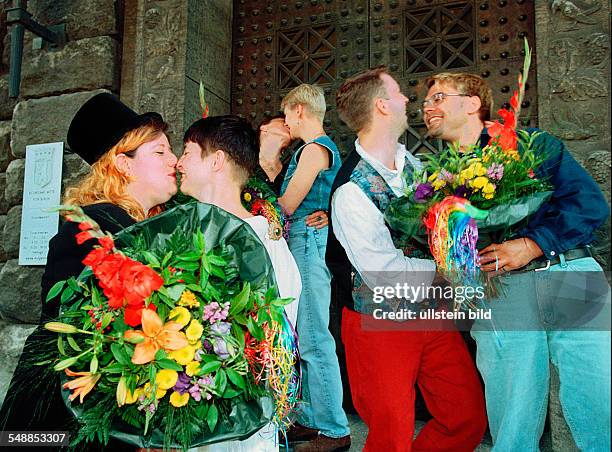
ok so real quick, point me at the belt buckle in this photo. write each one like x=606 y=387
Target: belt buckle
x=541 y=269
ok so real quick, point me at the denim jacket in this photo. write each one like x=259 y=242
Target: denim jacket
x=577 y=206
x=318 y=196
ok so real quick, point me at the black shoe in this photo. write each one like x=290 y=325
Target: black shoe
x=324 y=443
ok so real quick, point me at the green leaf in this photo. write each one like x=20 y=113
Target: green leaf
x=66 y=295
x=63 y=364
x=212 y=417
x=175 y=291
x=55 y=290
x=106 y=320
x=188 y=265
x=73 y=285
x=239 y=302
x=151 y=259
x=221 y=381
x=255 y=329
x=73 y=344
x=120 y=354
x=209 y=367
x=231 y=393
x=169 y=364
x=160 y=354
x=60 y=345
x=235 y=378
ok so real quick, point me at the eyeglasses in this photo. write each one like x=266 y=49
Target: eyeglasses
x=437 y=98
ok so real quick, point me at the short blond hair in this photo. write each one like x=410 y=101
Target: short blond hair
x=354 y=99
x=470 y=84
x=311 y=97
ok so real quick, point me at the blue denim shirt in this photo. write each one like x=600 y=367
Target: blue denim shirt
x=577 y=206
x=318 y=196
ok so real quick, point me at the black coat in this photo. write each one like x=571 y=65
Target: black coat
x=22 y=408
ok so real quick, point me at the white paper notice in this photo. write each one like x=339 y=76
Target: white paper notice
x=41 y=191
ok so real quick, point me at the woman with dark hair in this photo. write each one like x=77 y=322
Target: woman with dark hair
x=132 y=175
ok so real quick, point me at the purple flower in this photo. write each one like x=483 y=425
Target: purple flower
x=220 y=348
x=182 y=384
x=423 y=192
x=496 y=171
x=198 y=354
x=214 y=312
x=207 y=346
x=206 y=381
x=221 y=328
x=462 y=191
x=447 y=176
x=194 y=392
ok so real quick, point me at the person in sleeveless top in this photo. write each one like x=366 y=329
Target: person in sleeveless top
x=219 y=157
x=386 y=358
x=305 y=189
x=132 y=174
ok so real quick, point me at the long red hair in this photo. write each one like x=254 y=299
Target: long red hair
x=106 y=184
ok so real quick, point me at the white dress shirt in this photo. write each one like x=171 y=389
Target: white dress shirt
x=360 y=228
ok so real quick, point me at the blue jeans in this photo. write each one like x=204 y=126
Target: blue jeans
x=515 y=363
x=321 y=384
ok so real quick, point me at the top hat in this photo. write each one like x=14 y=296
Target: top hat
x=100 y=123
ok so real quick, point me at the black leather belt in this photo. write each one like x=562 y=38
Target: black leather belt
x=542 y=263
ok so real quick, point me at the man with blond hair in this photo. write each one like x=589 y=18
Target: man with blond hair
x=386 y=358
x=555 y=304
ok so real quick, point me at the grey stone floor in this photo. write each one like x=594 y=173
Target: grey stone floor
x=359 y=431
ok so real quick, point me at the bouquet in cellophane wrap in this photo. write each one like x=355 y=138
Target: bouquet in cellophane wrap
x=174 y=335
x=464 y=198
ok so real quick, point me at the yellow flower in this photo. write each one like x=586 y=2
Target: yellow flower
x=480 y=182
x=166 y=378
x=194 y=331
x=479 y=169
x=438 y=184
x=192 y=368
x=183 y=356
x=159 y=393
x=180 y=315
x=188 y=299
x=487 y=195
x=247 y=197
x=488 y=190
x=178 y=400
x=433 y=177
x=133 y=396
x=466 y=174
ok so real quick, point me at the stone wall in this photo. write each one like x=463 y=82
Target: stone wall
x=54 y=84
x=573 y=48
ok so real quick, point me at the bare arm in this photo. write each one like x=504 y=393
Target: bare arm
x=314 y=159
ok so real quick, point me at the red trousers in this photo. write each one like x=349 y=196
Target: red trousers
x=383 y=367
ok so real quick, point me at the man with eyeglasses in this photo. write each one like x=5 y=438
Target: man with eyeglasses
x=386 y=358
x=555 y=302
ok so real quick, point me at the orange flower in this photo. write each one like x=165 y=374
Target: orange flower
x=156 y=335
x=81 y=386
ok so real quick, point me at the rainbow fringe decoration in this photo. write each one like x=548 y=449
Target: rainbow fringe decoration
x=452 y=232
x=275 y=361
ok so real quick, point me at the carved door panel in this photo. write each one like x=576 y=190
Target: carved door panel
x=278 y=44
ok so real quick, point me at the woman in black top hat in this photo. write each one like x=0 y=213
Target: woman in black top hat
x=132 y=175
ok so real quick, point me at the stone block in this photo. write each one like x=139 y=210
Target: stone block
x=10 y=236
x=7 y=104
x=13 y=193
x=12 y=339
x=5 y=145
x=2 y=223
x=81 y=65
x=45 y=120
x=20 y=293
x=4 y=207
x=83 y=18
x=74 y=169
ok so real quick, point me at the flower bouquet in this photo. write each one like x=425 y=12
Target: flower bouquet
x=179 y=339
x=463 y=193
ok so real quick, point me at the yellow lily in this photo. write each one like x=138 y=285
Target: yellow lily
x=156 y=335
x=80 y=386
